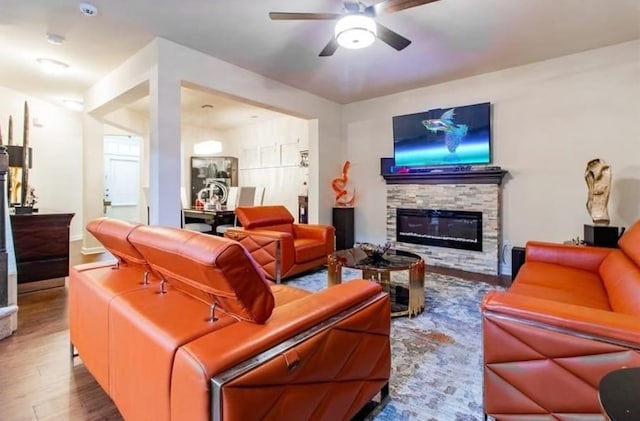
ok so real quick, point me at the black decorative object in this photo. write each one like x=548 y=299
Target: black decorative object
x=518 y=255
x=16 y=156
x=375 y=253
x=24 y=210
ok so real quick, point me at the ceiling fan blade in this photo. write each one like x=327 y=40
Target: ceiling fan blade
x=390 y=6
x=392 y=38
x=330 y=48
x=303 y=16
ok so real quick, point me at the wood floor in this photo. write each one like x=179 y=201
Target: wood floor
x=38 y=378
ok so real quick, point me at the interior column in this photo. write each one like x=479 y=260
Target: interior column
x=164 y=149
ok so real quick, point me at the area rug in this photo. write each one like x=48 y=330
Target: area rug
x=436 y=367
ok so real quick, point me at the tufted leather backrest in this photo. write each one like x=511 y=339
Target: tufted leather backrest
x=630 y=242
x=212 y=268
x=254 y=217
x=113 y=234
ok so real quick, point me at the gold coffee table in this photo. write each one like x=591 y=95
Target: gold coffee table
x=404 y=301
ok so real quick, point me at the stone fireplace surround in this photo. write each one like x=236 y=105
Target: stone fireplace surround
x=459 y=192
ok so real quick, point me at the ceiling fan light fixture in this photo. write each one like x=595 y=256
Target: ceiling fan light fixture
x=355 y=31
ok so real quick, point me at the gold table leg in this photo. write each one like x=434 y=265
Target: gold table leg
x=334 y=267
x=416 y=288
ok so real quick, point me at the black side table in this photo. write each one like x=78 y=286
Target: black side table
x=619 y=394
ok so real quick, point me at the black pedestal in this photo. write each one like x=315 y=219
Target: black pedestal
x=601 y=235
x=517 y=260
x=343 y=221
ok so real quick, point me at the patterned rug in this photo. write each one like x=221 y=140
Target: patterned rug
x=436 y=366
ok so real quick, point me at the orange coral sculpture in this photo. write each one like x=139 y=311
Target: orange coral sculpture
x=339 y=185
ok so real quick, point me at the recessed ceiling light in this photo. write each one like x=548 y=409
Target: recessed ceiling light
x=74 y=105
x=254 y=116
x=52 y=66
x=88 y=9
x=55 y=39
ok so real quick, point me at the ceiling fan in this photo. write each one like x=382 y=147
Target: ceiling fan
x=356 y=27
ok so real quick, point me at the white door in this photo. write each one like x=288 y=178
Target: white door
x=121 y=183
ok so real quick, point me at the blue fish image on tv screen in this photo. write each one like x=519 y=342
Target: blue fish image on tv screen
x=452 y=136
x=453 y=133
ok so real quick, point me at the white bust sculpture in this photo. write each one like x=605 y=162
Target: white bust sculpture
x=598 y=178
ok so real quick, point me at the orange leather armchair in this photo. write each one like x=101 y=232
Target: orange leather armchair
x=186 y=327
x=571 y=316
x=281 y=247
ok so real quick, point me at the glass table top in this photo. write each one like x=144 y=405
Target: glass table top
x=392 y=260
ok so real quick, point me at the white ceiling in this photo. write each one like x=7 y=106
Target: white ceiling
x=450 y=39
x=205 y=110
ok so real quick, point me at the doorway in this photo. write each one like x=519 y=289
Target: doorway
x=122 y=188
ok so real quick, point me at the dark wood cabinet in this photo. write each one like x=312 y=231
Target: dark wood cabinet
x=214 y=172
x=41 y=243
x=343 y=221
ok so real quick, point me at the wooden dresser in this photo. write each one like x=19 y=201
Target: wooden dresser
x=41 y=242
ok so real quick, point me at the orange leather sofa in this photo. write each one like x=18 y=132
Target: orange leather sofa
x=185 y=327
x=571 y=316
x=280 y=247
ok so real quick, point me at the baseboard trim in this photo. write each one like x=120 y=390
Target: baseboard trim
x=92 y=250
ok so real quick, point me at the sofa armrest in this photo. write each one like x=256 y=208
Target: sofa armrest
x=321 y=232
x=324 y=233
x=226 y=352
x=570 y=255
x=272 y=250
x=608 y=326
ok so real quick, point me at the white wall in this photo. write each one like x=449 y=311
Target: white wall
x=57 y=152
x=549 y=119
x=282 y=180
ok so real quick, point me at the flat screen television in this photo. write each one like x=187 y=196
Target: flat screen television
x=454 y=136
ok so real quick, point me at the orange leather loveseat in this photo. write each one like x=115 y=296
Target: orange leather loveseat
x=280 y=247
x=571 y=316
x=185 y=327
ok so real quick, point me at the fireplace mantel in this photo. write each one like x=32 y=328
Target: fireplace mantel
x=489 y=175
